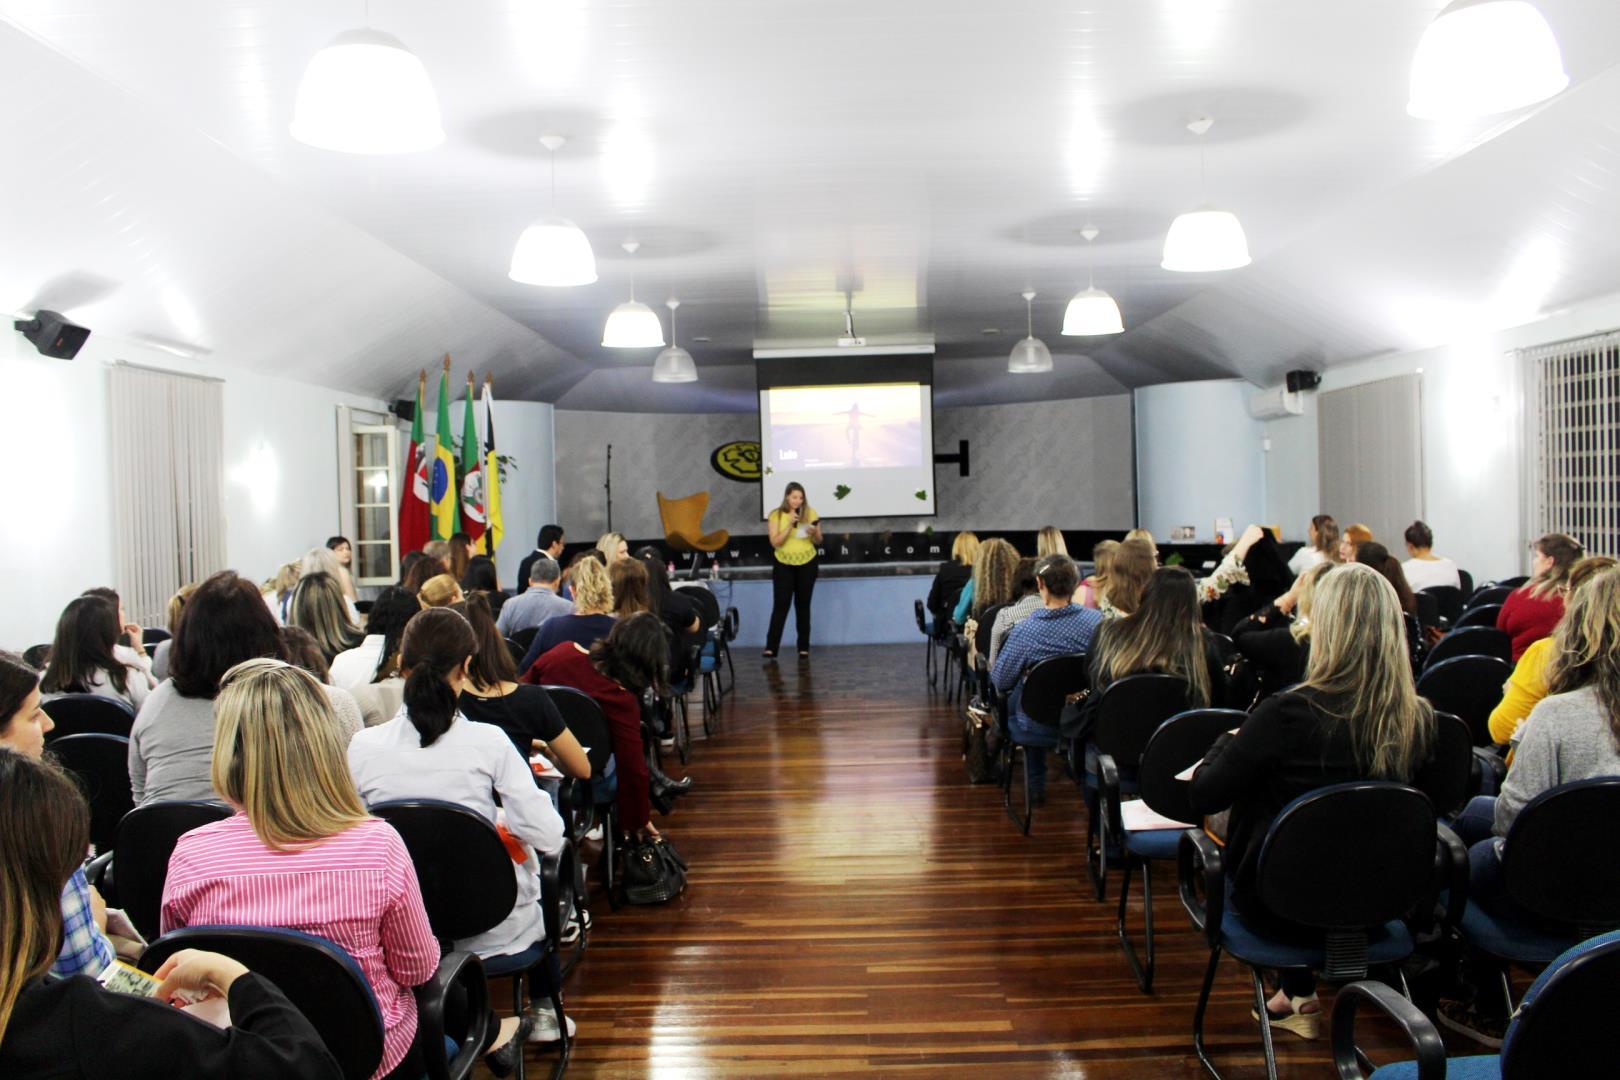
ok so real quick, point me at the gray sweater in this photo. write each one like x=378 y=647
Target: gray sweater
x=171 y=746
x=1565 y=738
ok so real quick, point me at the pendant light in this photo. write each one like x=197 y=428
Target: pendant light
x=674 y=364
x=1206 y=239
x=553 y=251
x=1482 y=57
x=633 y=325
x=1030 y=356
x=1092 y=312
x=366 y=93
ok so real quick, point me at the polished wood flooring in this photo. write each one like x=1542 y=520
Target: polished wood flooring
x=855 y=906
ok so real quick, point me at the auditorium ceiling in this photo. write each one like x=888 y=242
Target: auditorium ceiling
x=930 y=159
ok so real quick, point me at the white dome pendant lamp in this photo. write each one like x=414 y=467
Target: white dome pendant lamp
x=366 y=93
x=1091 y=312
x=1205 y=240
x=674 y=364
x=553 y=252
x=1482 y=57
x=633 y=325
x=1030 y=356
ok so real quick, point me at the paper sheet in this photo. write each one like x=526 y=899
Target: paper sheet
x=1137 y=816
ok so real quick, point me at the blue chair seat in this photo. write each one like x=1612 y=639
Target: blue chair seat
x=1483 y=1067
x=1154 y=843
x=1511 y=938
x=1263 y=947
x=512 y=963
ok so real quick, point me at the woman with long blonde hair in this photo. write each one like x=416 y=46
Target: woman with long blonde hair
x=952 y=577
x=319 y=609
x=994 y=569
x=1049 y=541
x=613 y=546
x=1164 y=634
x=593 y=615
x=1102 y=560
x=1356 y=716
x=1531 y=611
x=1134 y=562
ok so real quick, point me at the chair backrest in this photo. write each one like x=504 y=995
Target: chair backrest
x=1472 y=641
x=1514 y=582
x=1565 y=1024
x=1349 y=856
x=143 y=843
x=321 y=980
x=1177 y=743
x=1495 y=593
x=1447 y=598
x=1428 y=608
x=1131 y=710
x=151 y=635
x=922 y=617
x=1468 y=687
x=517 y=650
x=708 y=605
x=1451 y=775
x=1467 y=580
x=461 y=864
x=100 y=763
x=1480 y=615
x=1049 y=683
x=86 y=714
x=525 y=637
x=986 y=623
x=1562 y=856
x=683 y=515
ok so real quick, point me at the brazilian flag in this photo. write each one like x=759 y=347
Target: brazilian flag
x=444 y=497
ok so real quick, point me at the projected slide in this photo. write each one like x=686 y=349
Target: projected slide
x=859 y=451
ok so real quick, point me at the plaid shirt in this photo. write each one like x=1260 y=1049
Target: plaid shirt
x=1044 y=633
x=85 y=949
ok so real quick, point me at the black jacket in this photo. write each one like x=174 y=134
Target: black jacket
x=947 y=588
x=1267 y=641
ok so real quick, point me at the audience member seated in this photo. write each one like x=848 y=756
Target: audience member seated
x=318 y=607
x=992 y=583
x=539 y=603
x=83 y=658
x=431 y=751
x=1528 y=684
x=549 y=543
x=1321 y=545
x=1280 y=648
x=323 y=560
x=1357 y=716
x=1049 y=541
x=299 y=649
x=1354 y=536
x=1424 y=569
x=616 y=671
x=1133 y=565
x=1102 y=560
x=592 y=617
x=481 y=576
x=614 y=548
x=224 y=624
x=1532 y=610
x=1376 y=555
x=1249 y=576
x=1058 y=627
x=385 y=624
x=681 y=615
x=301 y=852
x=71 y=1026
x=1147 y=538
x=131 y=649
x=1026 y=598
x=440 y=550
x=278 y=591
x=423 y=570
x=340 y=547
x=160 y=652
x=525 y=713
x=952 y=577
x=461 y=552
x=85 y=949
x=441 y=590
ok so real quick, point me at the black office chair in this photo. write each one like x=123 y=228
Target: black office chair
x=517 y=650
x=1467 y=581
x=38 y=657
x=1428 y=608
x=981 y=648
x=1448 y=602
x=730 y=626
x=1564 y=1027
x=88 y=714
x=145 y=839
x=1514 y=582
x=1480 y=615
x=925 y=626
x=707 y=669
x=1489 y=594
x=1456 y=769
x=100 y=763
x=1179 y=742
x=1047 y=686
x=1129 y=712
x=468 y=887
x=578 y=798
x=1346 y=864
x=328 y=987
x=1468 y=687
x=525 y=638
x=151 y=635
x=1471 y=641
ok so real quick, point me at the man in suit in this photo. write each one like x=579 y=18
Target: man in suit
x=548 y=544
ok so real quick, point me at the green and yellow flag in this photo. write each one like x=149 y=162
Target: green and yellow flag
x=445 y=498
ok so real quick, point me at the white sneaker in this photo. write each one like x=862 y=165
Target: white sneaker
x=595 y=833
x=577 y=921
x=545 y=1025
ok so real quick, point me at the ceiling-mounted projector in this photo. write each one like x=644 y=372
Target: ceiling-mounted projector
x=52 y=334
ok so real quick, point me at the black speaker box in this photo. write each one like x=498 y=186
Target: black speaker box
x=405 y=409
x=53 y=335
x=1302 y=380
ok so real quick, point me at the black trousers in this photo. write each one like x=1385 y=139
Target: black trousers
x=791 y=585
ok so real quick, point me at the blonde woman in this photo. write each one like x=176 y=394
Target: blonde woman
x=440 y=590
x=1356 y=716
x=319 y=609
x=301 y=850
x=1049 y=541
x=1531 y=611
x=952 y=577
x=994 y=569
x=1102 y=560
x=326 y=560
x=794 y=530
x=278 y=590
x=1321 y=544
x=592 y=617
x=1146 y=537
x=1134 y=562
x=613 y=547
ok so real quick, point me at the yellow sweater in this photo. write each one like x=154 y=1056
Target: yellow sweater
x=1524 y=689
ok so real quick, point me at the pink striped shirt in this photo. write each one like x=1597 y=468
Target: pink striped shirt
x=357 y=889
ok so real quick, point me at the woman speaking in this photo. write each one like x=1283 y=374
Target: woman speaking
x=795 y=532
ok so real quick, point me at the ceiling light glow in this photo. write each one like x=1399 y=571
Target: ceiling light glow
x=1482 y=57
x=366 y=93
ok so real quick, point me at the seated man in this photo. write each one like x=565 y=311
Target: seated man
x=1057 y=627
x=539 y=603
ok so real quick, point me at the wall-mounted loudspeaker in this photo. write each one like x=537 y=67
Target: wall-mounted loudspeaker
x=1302 y=380
x=405 y=409
x=53 y=335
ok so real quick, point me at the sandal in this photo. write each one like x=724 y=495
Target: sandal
x=1307 y=1025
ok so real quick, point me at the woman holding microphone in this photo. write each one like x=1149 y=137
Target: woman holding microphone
x=795 y=532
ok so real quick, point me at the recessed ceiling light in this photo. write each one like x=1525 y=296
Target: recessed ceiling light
x=987 y=331
x=702 y=340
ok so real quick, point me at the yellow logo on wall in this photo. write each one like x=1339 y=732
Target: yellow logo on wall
x=737 y=461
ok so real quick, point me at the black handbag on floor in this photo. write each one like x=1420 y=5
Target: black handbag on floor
x=654 y=872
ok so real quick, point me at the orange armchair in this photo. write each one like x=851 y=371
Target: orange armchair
x=683 y=524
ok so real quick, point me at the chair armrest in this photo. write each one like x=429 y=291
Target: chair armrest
x=556 y=890
x=98 y=871
x=458 y=991
x=1490 y=761
x=1451 y=860
x=1349 y=1061
x=1108 y=807
x=1199 y=856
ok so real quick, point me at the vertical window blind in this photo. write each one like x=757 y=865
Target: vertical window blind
x=167 y=446
x=1370 y=455
x=1572 y=421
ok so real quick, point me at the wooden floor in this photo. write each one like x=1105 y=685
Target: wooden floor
x=854 y=906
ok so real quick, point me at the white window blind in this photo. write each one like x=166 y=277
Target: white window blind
x=1370 y=455
x=1572 y=421
x=168 y=495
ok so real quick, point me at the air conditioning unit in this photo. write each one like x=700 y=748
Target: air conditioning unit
x=1276 y=403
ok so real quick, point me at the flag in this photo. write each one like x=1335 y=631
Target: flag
x=495 y=528
x=443 y=467
x=413 y=502
x=472 y=474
